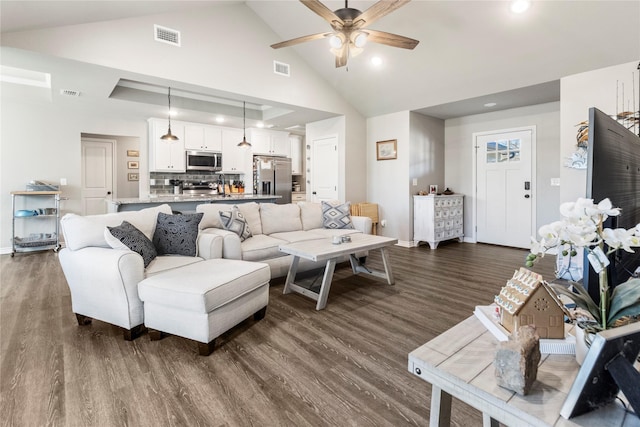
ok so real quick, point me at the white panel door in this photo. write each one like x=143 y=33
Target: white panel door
x=504 y=193
x=97 y=174
x=324 y=169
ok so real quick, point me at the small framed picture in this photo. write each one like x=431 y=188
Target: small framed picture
x=133 y=153
x=433 y=189
x=387 y=150
x=133 y=177
x=133 y=165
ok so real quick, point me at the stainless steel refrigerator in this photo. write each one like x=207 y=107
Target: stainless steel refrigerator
x=272 y=176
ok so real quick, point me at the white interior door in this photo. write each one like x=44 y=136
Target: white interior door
x=97 y=174
x=324 y=169
x=505 y=169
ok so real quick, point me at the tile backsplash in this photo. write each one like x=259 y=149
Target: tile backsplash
x=159 y=181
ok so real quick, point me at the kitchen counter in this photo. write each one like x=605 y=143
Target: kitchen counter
x=183 y=203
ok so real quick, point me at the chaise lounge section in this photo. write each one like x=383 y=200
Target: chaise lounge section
x=104 y=281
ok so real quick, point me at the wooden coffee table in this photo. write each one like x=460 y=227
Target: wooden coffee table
x=320 y=250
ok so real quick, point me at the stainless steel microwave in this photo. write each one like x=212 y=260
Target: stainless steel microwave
x=204 y=161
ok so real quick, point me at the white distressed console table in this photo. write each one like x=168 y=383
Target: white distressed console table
x=459 y=363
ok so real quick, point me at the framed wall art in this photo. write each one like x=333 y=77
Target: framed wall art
x=133 y=165
x=133 y=177
x=387 y=150
x=133 y=153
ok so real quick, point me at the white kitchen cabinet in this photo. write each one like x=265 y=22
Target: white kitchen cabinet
x=202 y=137
x=166 y=156
x=296 y=154
x=269 y=142
x=438 y=218
x=235 y=159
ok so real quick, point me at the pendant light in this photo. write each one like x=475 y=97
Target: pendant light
x=169 y=136
x=244 y=143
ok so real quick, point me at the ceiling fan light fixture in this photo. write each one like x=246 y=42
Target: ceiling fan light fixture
x=335 y=41
x=169 y=136
x=360 y=39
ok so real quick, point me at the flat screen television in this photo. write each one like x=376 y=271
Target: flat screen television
x=613 y=171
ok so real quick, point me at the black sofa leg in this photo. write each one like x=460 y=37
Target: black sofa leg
x=259 y=315
x=83 y=320
x=133 y=333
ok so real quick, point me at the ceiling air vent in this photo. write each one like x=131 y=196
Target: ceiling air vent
x=281 y=68
x=69 y=92
x=166 y=35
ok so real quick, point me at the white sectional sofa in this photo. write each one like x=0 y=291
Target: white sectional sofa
x=272 y=225
x=104 y=281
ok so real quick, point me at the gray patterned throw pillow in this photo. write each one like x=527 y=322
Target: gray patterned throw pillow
x=336 y=216
x=135 y=240
x=177 y=234
x=234 y=221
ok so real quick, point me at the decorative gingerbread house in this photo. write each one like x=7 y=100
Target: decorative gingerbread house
x=528 y=300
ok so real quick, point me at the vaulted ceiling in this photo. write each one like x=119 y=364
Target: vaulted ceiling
x=470 y=52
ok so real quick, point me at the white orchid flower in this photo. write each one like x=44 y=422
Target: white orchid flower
x=537 y=247
x=570 y=210
x=619 y=238
x=550 y=233
x=607 y=208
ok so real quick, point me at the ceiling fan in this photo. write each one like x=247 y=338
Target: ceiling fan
x=350 y=30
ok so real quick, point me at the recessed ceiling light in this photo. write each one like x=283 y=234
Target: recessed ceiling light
x=376 y=61
x=219 y=119
x=173 y=113
x=519 y=6
x=260 y=124
x=490 y=104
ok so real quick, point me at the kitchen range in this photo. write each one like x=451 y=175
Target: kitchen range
x=197 y=188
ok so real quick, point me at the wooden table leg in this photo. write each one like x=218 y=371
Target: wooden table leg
x=440 y=408
x=387 y=266
x=291 y=275
x=326 y=284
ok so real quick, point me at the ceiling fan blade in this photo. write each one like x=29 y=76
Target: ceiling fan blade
x=322 y=10
x=390 y=39
x=377 y=11
x=299 y=40
x=342 y=55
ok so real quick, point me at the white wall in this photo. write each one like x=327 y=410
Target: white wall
x=223 y=46
x=388 y=180
x=601 y=89
x=426 y=164
x=459 y=155
x=42 y=142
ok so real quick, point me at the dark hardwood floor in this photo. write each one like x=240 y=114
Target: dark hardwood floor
x=342 y=366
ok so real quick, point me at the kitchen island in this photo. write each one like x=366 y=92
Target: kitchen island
x=185 y=203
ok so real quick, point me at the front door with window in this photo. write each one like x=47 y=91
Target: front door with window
x=504 y=192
